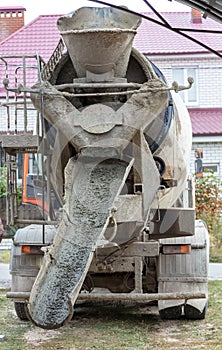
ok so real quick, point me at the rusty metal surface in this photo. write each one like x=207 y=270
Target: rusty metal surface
x=133 y=249
x=135 y=297
x=140 y=297
x=18 y=295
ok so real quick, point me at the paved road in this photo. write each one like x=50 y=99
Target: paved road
x=5 y=277
x=215 y=273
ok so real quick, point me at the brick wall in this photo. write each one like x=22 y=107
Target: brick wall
x=209 y=69
x=11 y=19
x=212 y=154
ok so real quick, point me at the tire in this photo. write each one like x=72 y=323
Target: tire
x=171 y=313
x=21 y=311
x=192 y=313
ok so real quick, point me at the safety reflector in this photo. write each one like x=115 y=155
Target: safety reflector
x=32 y=249
x=176 y=249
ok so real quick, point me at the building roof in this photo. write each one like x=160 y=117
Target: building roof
x=210 y=8
x=41 y=37
x=206 y=121
x=38 y=37
x=12 y=8
x=153 y=39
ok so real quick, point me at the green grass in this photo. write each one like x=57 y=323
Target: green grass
x=216 y=254
x=4 y=256
x=117 y=327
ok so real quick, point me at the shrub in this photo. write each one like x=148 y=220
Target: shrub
x=208 y=192
x=2 y=181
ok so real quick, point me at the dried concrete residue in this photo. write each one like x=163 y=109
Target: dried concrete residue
x=90 y=191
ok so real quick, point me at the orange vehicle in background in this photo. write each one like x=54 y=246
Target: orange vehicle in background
x=31 y=183
x=32 y=193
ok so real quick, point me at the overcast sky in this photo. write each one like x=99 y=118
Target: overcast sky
x=41 y=7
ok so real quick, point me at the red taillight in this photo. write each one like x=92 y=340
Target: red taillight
x=176 y=249
x=32 y=249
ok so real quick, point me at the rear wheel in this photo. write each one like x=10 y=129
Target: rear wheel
x=171 y=313
x=192 y=313
x=21 y=311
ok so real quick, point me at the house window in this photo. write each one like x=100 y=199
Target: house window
x=211 y=168
x=190 y=96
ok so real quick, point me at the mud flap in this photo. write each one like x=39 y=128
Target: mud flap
x=185 y=273
x=91 y=188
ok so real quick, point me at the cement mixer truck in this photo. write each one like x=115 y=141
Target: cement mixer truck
x=115 y=147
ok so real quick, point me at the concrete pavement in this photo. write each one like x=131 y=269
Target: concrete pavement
x=5 y=277
x=215 y=271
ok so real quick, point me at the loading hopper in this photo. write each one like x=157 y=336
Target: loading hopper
x=107 y=34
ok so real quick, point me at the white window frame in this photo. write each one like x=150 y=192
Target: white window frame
x=206 y=165
x=185 y=93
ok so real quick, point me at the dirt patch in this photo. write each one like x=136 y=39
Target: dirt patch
x=36 y=337
x=116 y=327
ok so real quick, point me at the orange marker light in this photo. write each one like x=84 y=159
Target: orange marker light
x=185 y=249
x=26 y=249
x=31 y=249
x=176 y=249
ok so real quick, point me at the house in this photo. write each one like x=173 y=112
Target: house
x=177 y=57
